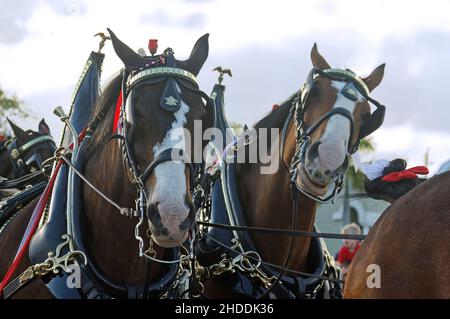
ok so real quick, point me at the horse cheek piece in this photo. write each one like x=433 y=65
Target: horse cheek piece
x=143 y=71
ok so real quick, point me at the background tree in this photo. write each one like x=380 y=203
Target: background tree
x=9 y=106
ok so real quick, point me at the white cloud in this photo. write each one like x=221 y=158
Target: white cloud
x=411 y=144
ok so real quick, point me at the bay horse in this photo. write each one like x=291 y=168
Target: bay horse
x=147 y=123
x=407 y=252
x=333 y=110
x=26 y=151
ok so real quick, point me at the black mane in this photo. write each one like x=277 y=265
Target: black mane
x=104 y=109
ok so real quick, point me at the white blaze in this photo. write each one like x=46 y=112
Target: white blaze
x=334 y=141
x=170 y=186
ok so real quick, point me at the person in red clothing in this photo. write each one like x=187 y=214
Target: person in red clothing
x=350 y=247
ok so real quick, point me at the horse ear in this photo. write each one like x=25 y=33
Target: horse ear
x=130 y=59
x=43 y=128
x=374 y=79
x=198 y=55
x=20 y=134
x=318 y=60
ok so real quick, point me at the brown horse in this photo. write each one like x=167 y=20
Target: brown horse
x=266 y=198
x=109 y=236
x=406 y=253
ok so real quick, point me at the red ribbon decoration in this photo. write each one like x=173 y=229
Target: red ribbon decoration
x=153 y=46
x=117 y=112
x=410 y=173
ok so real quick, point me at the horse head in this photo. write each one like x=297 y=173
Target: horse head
x=161 y=102
x=332 y=116
x=27 y=150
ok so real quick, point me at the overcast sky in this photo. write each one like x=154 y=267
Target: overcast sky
x=44 y=44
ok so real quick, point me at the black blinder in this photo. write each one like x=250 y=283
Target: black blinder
x=374 y=121
x=170 y=98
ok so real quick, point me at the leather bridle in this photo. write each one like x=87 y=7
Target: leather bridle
x=153 y=73
x=30 y=164
x=303 y=134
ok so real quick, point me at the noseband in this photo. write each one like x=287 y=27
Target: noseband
x=21 y=165
x=353 y=85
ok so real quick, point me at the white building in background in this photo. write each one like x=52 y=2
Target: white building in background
x=444 y=167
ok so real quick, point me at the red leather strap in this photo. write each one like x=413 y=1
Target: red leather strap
x=117 y=113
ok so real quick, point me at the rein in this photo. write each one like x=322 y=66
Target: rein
x=284 y=269
x=283 y=232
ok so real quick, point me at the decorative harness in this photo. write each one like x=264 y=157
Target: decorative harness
x=353 y=85
x=153 y=73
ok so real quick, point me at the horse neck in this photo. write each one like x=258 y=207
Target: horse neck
x=109 y=235
x=267 y=202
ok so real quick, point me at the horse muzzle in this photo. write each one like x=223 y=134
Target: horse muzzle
x=170 y=224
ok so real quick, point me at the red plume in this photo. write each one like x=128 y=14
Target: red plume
x=153 y=46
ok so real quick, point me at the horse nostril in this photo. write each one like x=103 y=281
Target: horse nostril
x=155 y=218
x=187 y=223
x=313 y=151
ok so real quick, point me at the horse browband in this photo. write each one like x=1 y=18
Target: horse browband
x=35 y=141
x=347 y=75
x=158 y=72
